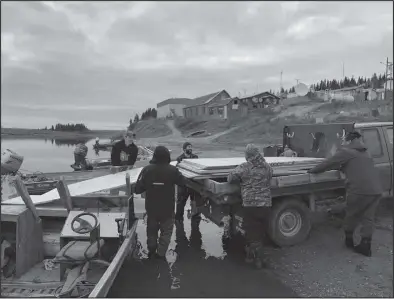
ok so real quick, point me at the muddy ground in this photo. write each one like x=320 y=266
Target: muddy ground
x=199 y=265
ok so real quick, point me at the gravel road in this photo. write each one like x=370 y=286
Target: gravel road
x=323 y=267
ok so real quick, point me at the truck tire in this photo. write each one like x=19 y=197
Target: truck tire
x=289 y=222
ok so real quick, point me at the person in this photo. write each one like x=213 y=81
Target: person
x=80 y=153
x=183 y=192
x=124 y=152
x=158 y=181
x=288 y=152
x=254 y=177
x=363 y=189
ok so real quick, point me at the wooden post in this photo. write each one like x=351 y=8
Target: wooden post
x=64 y=194
x=24 y=194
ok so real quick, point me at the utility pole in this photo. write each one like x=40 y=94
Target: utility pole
x=280 y=88
x=343 y=70
x=388 y=75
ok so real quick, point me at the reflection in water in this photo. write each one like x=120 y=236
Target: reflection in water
x=70 y=142
x=192 y=270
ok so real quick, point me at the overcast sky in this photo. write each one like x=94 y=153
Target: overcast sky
x=101 y=62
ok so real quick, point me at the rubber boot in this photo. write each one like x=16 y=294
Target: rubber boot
x=364 y=247
x=249 y=255
x=349 y=239
x=256 y=253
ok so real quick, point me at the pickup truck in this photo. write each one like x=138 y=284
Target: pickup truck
x=295 y=197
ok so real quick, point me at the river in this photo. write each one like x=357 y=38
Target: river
x=49 y=155
x=199 y=265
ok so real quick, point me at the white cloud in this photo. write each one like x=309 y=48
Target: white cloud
x=123 y=57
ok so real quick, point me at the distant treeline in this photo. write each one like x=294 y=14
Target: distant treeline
x=373 y=82
x=147 y=114
x=68 y=128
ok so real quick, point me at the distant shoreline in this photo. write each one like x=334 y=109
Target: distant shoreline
x=16 y=133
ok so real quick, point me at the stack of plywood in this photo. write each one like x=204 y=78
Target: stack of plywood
x=214 y=167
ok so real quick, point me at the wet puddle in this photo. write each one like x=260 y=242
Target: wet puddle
x=197 y=266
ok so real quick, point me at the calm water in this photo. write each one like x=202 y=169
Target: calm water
x=49 y=155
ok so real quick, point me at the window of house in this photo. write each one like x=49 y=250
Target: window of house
x=235 y=102
x=372 y=141
x=390 y=135
x=210 y=111
x=220 y=110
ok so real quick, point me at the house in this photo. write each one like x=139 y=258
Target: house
x=172 y=107
x=260 y=100
x=199 y=107
x=229 y=108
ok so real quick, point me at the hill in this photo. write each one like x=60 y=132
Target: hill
x=265 y=127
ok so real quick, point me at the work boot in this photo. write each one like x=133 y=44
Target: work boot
x=364 y=247
x=349 y=239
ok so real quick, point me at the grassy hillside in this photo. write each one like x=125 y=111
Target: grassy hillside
x=265 y=127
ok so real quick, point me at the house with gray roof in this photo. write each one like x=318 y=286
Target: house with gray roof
x=214 y=105
x=172 y=107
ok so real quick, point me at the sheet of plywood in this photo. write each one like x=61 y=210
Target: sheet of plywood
x=226 y=163
x=107 y=182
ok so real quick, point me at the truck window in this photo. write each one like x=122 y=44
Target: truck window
x=372 y=141
x=390 y=135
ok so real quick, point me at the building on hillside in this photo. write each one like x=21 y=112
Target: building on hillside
x=172 y=107
x=230 y=108
x=260 y=100
x=199 y=107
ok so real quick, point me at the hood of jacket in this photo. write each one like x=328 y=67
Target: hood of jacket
x=161 y=155
x=357 y=145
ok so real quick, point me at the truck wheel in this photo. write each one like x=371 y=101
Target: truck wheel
x=289 y=222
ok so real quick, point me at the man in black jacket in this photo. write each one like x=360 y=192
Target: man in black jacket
x=363 y=189
x=124 y=152
x=158 y=180
x=184 y=192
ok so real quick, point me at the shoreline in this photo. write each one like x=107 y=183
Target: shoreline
x=15 y=133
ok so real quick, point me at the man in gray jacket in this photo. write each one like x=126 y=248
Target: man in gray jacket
x=363 y=189
x=254 y=177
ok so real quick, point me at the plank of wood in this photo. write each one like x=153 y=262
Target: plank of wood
x=64 y=194
x=107 y=182
x=29 y=243
x=103 y=286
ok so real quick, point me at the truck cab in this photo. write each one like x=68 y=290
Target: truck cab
x=322 y=141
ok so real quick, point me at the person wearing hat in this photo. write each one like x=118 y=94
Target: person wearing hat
x=363 y=189
x=254 y=177
x=124 y=152
x=158 y=181
x=183 y=192
x=80 y=153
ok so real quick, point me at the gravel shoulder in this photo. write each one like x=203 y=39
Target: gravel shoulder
x=323 y=267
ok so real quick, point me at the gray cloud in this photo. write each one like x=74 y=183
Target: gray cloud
x=101 y=62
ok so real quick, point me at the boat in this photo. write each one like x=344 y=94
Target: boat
x=39 y=183
x=103 y=146
x=45 y=253
x=11 y=162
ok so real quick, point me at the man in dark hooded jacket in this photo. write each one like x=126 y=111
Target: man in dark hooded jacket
x=158 y=181
x=363 y=189
x=183 y=192
x=254 y=177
